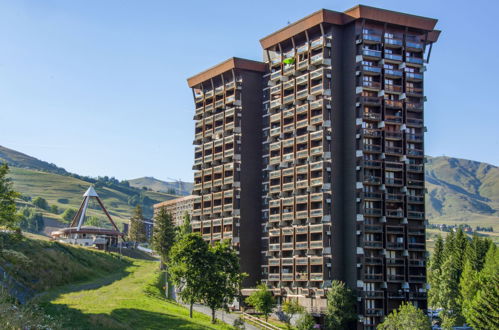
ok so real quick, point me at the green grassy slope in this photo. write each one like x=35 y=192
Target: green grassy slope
x=133 y=302
x=18 y=159
x=42 y=265
x=66 y=192
x=183 y=188
x=462 y=191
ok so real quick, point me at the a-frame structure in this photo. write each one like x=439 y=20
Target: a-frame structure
x=79 y=217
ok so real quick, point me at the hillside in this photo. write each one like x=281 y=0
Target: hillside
x=462 y=191
x=180 y=188
x=18 y=159
x=42 y=265
x=66 y=192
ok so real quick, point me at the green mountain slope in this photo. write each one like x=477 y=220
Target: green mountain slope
x=462 y=191
x=66 y=192
x=180 y=188
x=18 y=159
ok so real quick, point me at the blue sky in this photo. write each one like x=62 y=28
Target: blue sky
x=99 y=87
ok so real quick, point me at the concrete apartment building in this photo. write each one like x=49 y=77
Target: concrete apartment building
x=177 y=208
x=334 y=112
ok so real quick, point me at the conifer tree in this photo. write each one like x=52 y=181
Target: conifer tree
x=483 y=311
x=434 y=270
x=186 y=227
x=137 y=231
x=163 y=234
x=8 y=216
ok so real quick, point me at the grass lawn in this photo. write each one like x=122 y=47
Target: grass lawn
x=131 y=302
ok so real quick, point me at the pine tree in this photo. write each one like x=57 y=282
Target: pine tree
x=8 y=216
x=137 y=231
x=434 y=270
x=186 y=227
x=163 y=234
x=468 y=287
x=448 y=296
x=476 y=251
x=483 y=311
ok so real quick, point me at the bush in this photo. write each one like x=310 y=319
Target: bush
x=41 y=203
x=63 y=200
x=69 y=214
x=305 y=322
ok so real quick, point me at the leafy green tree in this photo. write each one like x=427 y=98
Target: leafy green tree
x=263 y=300
x=290 y=308
x=41 y=203
x=137 y=231
x=188 y=264
x=31 y=220
x=54 y=209
x=305 y=322
x=94 y=221
x=406 y=317
x=483 y=311
x=340 y=311
x=8 y=216
x=69 y=214
x=223 y=277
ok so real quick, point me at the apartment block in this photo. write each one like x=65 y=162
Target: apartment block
x=340 y=132
x=177 y=208
x=228 y=99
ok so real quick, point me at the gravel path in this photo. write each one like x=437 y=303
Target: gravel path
x=228 y=318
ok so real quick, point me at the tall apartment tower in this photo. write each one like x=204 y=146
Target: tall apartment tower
x=342 y=158
x=227 y=141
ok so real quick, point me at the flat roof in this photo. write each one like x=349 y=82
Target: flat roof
x=227 y=65
x=175 y=201
x=350 y=15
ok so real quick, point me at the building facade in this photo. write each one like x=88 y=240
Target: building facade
x=341 y=138
x=177 y=208
x=227 y=182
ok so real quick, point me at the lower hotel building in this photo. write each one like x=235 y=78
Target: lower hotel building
x=312 y=161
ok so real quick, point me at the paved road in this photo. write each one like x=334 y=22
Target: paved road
x=228 y=318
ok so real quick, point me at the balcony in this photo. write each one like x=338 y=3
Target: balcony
x=395 y=262
x=372 y=196
x=417 y=278
x=373 y=244
x=414 y=46
x=316 y=43
x=393 y=119
x=316 y=277
x=370 y=100
x=394 y=104
x=371 y=132
x=373 y=294
x=417 y=246
x=396 y=295
x=394 y=246
x=414 y=106
x=319 y=60
x=372 y=163
x=302 y=108
x=393 y=42
x=394 y=197
x=394 y=181
x=301 y=94
x=372 y=148
x=373 y=277
x=393 y=150
x=373 y=261
x=393 y=88
x=395 y=278
x=371 y=84
x=373 y=228
x=415 y=199
x=369 y=53
x=393 y=135
x=274 y=277
x=371 y=70
x=392 y=73
x=414 y=183
x=414 y=122
x=301 y=245
x=393 y=57
x=414 y=91
x=414 y=76
x=372 y=179
x=414 y=60
x=372 y=211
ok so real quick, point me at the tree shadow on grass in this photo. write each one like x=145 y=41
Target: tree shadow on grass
x=70 y=318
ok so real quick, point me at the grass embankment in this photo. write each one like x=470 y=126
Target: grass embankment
x=132 y=302
x=42 y=265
